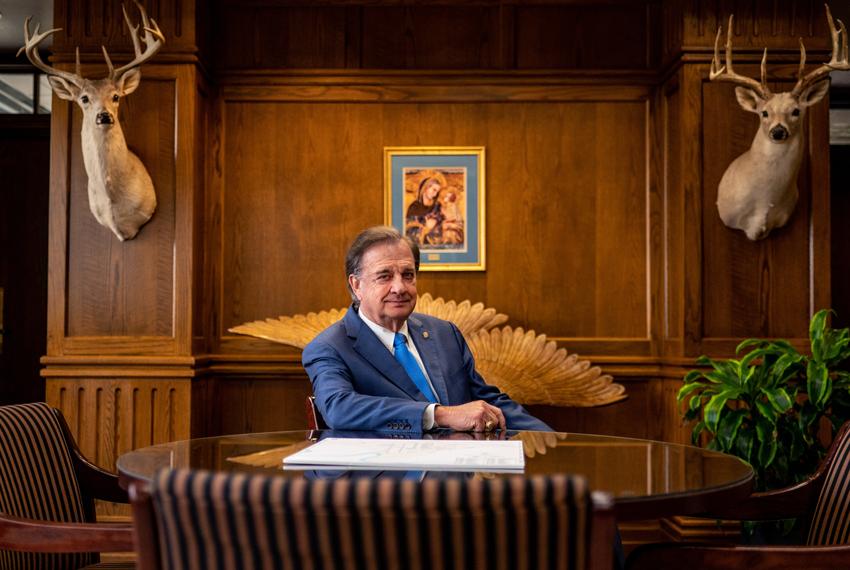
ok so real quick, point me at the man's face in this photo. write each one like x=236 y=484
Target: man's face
x=386 y=287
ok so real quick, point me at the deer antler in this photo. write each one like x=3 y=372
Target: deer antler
x=152 y=38
x=726 y=73
x=838 y=61
x=31 y=48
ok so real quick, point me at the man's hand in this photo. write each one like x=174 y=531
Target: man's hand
x=474 y=416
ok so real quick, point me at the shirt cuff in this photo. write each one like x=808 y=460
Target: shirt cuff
x=428 y=422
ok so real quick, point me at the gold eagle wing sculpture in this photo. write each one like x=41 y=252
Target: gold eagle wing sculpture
x=526 y=366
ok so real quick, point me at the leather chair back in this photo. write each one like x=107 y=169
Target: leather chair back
x=249 y=521
x=38 y=481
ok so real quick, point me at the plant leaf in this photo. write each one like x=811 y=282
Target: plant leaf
x=766 y=433
x=714 y=408
x=817 y=329
x=766 y=410
x=744 y=444
x=749 y=342
x=692 y=376
x=818 y=383
x=696 y=431
x=687 y=389
x=728 y=429
x=779 y=399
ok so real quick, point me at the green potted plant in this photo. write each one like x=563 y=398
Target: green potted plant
x=766 y=406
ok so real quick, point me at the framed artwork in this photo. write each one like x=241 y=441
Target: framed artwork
x=435 y=195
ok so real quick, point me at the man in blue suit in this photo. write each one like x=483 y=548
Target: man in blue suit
x=384 y=367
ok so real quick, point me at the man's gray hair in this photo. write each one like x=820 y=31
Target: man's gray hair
x=365 y=240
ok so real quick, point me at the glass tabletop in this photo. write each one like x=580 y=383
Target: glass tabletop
x=646 y=478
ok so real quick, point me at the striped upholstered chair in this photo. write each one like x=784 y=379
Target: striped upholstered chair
x=197 y=519
x=47 y=488
x=824 y=498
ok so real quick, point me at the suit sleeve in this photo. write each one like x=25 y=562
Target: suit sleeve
x=342 y=407
x=516 y=417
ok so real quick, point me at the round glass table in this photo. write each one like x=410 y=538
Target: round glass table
x=648 y=479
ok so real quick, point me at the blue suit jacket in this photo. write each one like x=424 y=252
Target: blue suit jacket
x=359 y=385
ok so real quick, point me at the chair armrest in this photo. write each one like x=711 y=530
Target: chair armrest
x=42 y=536
x=98 y=483
x=95 y=483
x=653 y=556
x=788 y=502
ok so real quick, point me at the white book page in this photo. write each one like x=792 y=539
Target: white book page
x=449 y=455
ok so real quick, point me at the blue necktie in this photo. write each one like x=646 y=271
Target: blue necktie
x=405 y=358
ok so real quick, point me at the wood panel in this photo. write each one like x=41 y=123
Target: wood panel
x=423 y=35
x=94 y=23
x=758 y=25
x=109 y=417
x=569 y=37
x=126 y=288
x=745 y=283
x=132 y=297
x=581 y=204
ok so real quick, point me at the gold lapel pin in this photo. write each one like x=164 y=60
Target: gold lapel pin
x=425 y=334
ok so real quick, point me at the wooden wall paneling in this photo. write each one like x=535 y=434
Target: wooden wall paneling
x=442 y=36
x=818 y=162
x=584 y=37
x=430 y=37
x=94 y=23
x=760 y=24
x=130 y=297
x=580 y=219
x=211 y=301
x=691 y=189
x=111 y=416
x=746 y=283
x=204 y=153
x=126 y=288
x=672 y=219
x=57 y=262
x=244 y=404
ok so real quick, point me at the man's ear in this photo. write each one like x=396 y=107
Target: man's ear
x=129 y=80
x=64 y=89
x=814 y=93
x=748 y=99
x=354 y=283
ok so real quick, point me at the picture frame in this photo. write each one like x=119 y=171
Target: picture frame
x=435 y=195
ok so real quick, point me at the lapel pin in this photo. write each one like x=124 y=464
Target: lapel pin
x=425 y=334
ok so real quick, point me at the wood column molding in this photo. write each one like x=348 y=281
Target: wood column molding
x=721 y=288
x=119 y=360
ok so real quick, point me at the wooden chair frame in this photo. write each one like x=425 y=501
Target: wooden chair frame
x=795 y=501
x=31 y=535
x=314 y=418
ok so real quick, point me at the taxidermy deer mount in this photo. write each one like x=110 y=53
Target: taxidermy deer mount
x=121 y=193
x=758 y=191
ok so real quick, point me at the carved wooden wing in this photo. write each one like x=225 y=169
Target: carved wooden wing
x=522 y=364
x=533 y=371
x=299 y=330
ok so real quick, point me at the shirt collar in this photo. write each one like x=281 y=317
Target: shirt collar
x=385 y=335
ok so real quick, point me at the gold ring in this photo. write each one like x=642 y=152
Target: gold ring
x=488 y=425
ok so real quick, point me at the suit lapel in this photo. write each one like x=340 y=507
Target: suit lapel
x=427 y=347
x=367 y=345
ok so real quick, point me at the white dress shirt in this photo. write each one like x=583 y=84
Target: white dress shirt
x=387 y=338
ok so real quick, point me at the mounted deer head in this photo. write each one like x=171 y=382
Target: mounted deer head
x=758 y=191
x=121 y=193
